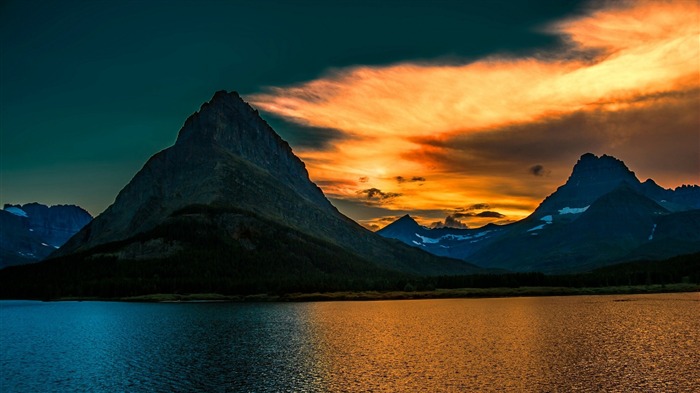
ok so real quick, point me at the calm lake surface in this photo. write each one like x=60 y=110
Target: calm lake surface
x=636 y=343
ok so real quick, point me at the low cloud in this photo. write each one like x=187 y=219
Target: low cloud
x=450 y=222
x=401 y=179
x=490 y=214
x=538 y=170
x=484 y=214
x=376 y=194
x=477 y=206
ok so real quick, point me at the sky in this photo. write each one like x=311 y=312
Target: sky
x=459 y=113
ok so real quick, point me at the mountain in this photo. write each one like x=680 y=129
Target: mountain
x=448 y=242
x=602 y=215
x=593 y=177
x=31 y=232
x=230 y=208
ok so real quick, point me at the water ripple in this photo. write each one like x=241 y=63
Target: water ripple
x=644 y=343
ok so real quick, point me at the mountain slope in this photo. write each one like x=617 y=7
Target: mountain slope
x=603 y=214
x=449 y=242
x=227 y=207
x=226 y=156
x=31 y=232
x=606 y=231
x=591 y=178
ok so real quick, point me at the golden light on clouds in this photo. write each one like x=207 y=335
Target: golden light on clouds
x=399 y=120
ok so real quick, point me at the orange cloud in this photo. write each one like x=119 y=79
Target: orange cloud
x=644 y=52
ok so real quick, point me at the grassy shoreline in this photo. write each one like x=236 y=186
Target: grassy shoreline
x=402 y=295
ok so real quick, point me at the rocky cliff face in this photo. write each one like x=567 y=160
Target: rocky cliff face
x=225 y=163
x=30 y=232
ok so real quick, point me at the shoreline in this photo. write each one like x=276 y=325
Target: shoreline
x=458 y=293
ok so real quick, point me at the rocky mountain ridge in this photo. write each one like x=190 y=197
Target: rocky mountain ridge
x=603 y=214
x=31 y=232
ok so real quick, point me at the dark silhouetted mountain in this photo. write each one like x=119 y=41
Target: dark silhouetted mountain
x=591 y=178
x=229 y=202
x=403 y=228
x=31 y=232
x=601 y=215
x=449 y=242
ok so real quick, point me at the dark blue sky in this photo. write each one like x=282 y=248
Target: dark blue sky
x=90 y=89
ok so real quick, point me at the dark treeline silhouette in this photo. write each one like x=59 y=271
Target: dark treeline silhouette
x=107 y=277
x=684 y=268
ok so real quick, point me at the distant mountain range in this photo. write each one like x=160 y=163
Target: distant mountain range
x=228 y=208
x=602 y=215
x=31 y=232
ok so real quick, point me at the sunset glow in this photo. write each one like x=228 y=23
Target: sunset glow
x=424 y=135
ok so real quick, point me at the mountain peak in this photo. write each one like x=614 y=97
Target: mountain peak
x=604 y=168
x=226 y=123
x=209 y=124
x=591 y=177
x=405 y=221
x=402 y=226
x=406 y=218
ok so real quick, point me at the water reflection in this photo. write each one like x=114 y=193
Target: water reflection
x=520 y=345
x=109 y=347
x=606 y=343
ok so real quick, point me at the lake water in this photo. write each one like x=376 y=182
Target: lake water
x=640 y=343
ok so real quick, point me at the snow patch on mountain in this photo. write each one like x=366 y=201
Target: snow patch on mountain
x=428 y=239
x=573 y=210
x=456 y=237
x=16 y=211
x=537 y=228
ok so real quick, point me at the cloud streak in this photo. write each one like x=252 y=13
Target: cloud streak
x=618 y=62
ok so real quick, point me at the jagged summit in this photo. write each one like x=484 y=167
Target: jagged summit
x=593 y=169
x=591 y=177
x=229 y=123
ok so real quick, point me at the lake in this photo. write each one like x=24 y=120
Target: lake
x=635 y=343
